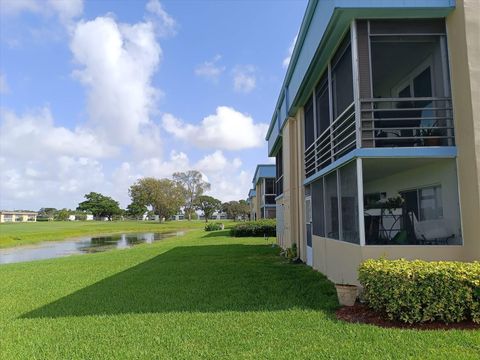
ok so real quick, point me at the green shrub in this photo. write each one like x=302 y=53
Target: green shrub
x=264 y=227
x=421 y=291
x=213 y=226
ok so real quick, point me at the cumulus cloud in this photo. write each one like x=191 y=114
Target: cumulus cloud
x=165 y=24
x=210 y=69
x=117 y=62
x=286 y=61
x=244 y=79
x=217 y=162
x=66 y=10
x=35 y=136
x=226 y=129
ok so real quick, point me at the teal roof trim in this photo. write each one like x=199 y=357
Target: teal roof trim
x=264 y=171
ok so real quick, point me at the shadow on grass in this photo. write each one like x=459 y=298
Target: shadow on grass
x=201 y=279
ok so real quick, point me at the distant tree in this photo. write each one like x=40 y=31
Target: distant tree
x=47 y=213
x=243 y=209
x=231 y=208
x=100 y=205
x=62 y=215
x=194 y=186
x=136 y=210
x=235 y=209
x=165 y=196
x=208 y=205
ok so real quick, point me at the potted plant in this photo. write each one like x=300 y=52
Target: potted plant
x=431 y=136
x=346 y=293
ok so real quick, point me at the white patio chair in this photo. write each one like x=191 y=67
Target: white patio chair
x=431 y=231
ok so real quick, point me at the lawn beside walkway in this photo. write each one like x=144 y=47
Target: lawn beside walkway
x=203 y=295
x=15 y=234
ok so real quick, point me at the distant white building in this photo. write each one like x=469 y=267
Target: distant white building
x=89 y=217
x=18 y=216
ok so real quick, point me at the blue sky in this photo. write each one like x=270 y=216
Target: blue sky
x=95 y=94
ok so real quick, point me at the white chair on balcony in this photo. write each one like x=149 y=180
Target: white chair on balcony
x=432 y=232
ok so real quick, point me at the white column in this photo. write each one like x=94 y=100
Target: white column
x=361 y=218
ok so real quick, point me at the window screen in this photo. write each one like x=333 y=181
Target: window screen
x=323 y=105
x=331 y=206
x=430 y=203
x=342 y=80
x=309 y=126
x=269 y=186
x=318 y=213
x=349 y=197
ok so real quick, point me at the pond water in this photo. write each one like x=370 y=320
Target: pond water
x=81 y=245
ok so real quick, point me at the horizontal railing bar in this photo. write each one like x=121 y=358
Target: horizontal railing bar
x=327 y=145
x=371 y=100
x=407 y=109
x=432 y=118
x=339 y=118
x=345 y=147
x=341 y=141
x=408 y=137
x=412 y=128
x=341 y=132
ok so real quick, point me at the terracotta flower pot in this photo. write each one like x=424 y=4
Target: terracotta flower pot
x=347 y=294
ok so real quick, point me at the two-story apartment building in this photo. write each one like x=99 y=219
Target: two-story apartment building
x=18 y=216
x=262 y=196
x=376 y=134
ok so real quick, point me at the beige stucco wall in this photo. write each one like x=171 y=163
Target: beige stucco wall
x=293 y=190
x=463 y=31
x=340 y=260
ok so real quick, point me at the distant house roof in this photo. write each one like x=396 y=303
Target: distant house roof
x=7 y=212
x=263 y=171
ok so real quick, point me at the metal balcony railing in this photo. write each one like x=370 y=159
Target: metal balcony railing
x=338 y=139
x=407 y=122
x=384 y=122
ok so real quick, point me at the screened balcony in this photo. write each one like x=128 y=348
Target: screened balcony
x=410 y=202
x=386 y=86
x=388 y=202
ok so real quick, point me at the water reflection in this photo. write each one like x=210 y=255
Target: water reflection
x=83 y=245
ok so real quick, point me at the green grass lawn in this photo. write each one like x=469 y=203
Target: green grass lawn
x=204 y=295
x=12 y=234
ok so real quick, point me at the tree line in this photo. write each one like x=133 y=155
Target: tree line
x=164 y=198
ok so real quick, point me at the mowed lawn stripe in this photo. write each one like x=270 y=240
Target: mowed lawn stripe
x=203 y=295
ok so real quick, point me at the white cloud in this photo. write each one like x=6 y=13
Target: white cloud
x=165 y=24
x=217 y=162
x=4 y=88
x=286 y=61
x=210 y=69
x=35 y=136
x=117 y=62
x=66 y=10
x=226 y=129
x=244 y=79
x=15 y=7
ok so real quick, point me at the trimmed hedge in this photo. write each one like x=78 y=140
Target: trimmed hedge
x=214 y=226
x=421 y=291
x=264 y=227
